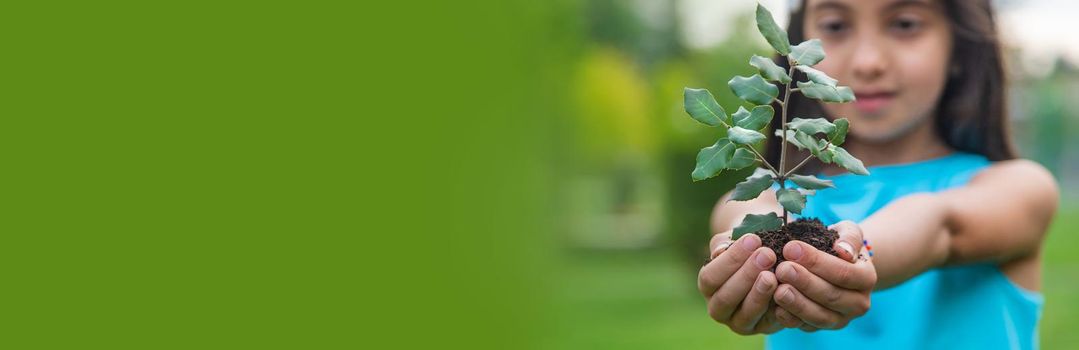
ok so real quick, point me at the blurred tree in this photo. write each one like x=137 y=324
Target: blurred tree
x=1050 y=114
x=616 y=198
x=689 y=203
x=635 y=147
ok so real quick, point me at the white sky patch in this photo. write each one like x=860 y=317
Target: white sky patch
x=1039 y=28
x=653 y=13
x=708 y=22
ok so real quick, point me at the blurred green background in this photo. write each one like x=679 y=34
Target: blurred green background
x=502 y=174
x=635 y=227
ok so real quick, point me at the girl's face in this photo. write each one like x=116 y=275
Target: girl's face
x=894 y=54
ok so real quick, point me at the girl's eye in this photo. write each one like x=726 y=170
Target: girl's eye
x=832 y=27
x=905 y=26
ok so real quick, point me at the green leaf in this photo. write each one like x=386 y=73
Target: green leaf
x=771 y=31
x=826 y=154
x=757 y=223
x=792 y=138
x=808 y=53
x=811 y=182
x=753 y=185
x=791 y=200
x=700 y=105
x=817 y=76
x=807 y=141
x=769 y=69
x=837 y=136
x=742 y=136
x=742 y=159
x=755 y=120
x=713 y=159
x=754 y=89
x=822 y=149
x=741 y=114
x=847 y=161
x=811 y=126
x=826 y=93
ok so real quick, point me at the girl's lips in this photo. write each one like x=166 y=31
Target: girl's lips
x=872 y=102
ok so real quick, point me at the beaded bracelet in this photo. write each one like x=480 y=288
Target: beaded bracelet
x=868 y=249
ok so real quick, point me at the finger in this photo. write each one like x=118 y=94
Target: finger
x=768 y=323
x=720 y=242
x=734 y=291
x=752 y=309
x=808 y=328
x=858 y=276
x=717 y=271
x=808 y=311
x=786 y=319
x=844 y=301
x=850 y=239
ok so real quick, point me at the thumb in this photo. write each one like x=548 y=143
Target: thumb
x=850 y=239
x=720 y=242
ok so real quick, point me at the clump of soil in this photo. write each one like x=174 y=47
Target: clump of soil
x=811 y=231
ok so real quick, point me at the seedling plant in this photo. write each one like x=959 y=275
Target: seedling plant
x=745 y=134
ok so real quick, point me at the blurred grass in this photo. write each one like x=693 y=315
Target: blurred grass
x=648 y=300
x=637 y=300
x=1060 y=281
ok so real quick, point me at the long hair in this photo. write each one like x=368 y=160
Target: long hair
x=971 y=113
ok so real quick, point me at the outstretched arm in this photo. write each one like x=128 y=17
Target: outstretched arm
x=1000 y=216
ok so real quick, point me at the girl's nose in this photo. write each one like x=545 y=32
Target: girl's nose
x=869 y=61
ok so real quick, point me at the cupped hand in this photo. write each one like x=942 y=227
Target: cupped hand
x=739 y=284
x=820 y=291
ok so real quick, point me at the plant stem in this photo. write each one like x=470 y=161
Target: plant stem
x=804 y=161
x=783 y=186
x=799 y=166
x=783 y=116
x=765 y=161
x=759 y=156
x=783 y=144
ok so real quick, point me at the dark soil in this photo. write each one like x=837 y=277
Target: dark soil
x=811 y=231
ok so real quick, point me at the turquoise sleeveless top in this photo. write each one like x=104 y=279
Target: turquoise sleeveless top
x=963 y=307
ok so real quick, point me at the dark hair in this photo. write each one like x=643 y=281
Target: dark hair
x=971 y=113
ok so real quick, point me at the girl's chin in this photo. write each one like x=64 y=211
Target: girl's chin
x=882 y=120
x=881 y=131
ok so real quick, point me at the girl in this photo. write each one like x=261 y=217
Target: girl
x=954 y=220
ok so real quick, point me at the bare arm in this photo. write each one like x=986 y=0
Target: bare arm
x=1000 y=216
